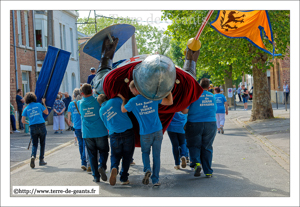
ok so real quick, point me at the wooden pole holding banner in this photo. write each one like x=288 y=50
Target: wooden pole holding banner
x=194 y=43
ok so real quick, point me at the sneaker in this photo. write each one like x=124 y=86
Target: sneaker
x=113 y=176
x=56 y=132
x=218 y=132
x=208 y=175
x=146 y=178
x=16 y=131
x=156 y=184
x=32 y=165
x=83 y=167
x=132 y=163
x=42 y=162
x=183 y=162
x=222 y=130
x=177 y=167
x=187 y=159
x=125 y=183
x=96 y=180
x=197 y=170
x=102 y=174
x=89 y=169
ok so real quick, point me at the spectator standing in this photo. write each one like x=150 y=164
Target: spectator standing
x=74 y=111
x=286 y=89
x=245 y=95
x=94 y=132
x=221 y=110
x=58 y=115
x=146 y=113
x=121 y=136
x=201 y=130
x=90 y=78
x=177 y=136
x=67 y=101
x=34 y=111
x=239 y=93
x=20 y=103
x=12 y=119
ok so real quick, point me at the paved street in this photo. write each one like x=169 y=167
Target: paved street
x=243 y=167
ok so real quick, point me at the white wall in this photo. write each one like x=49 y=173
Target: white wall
x=69 y=20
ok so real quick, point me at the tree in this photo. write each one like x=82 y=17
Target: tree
x=149 y=39
x=225 y=58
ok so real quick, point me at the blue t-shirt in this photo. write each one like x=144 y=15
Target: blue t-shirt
x=75 y=115
x=114 y=119
x=34 y=111
x=67 y=102
x=19 y=102
x=204 y=109
x=92 y=125
x=220 y=100
x=146 y=113
x=178 y=123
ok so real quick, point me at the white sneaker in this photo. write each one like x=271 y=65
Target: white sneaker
x=16 y=131
x=177 y=167
x=125 y=183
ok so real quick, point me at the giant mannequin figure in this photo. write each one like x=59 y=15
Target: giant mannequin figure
x=155 y=77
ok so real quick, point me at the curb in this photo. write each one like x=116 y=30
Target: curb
x=25 y=162
x=276 y=153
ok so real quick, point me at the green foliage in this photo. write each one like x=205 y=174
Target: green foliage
x=149 y=39
x=218 y=52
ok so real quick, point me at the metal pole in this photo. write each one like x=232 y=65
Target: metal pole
x=285 y=101
x=276 y=100
x=234 y=102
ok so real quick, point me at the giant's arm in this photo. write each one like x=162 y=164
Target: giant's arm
x=106 y=61
x=191 y=58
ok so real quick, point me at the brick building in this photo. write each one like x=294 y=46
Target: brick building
x=22 y=53
x=128 y=50
x=278 y=74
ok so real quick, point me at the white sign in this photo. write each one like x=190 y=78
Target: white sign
x=229 y=91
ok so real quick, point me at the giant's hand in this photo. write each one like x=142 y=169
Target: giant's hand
x=191 y=58
x=108 y=48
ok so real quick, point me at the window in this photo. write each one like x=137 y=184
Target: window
x=25 y=82
x=41 y=32
x=64 y=37
x=73 y=81
x=26 y=28
x=19 y=27
x=72 y=46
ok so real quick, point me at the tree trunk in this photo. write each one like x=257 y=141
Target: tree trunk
x=262 y=107
x=228 y=84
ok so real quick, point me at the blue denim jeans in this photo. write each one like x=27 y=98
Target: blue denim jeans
x=95 y=145
x=122 y=147
x=153 y=140
x=13 y=122
x=20 y=117
x=177 y=140
x=200 y=137
x=81 y=146
x=38 y=131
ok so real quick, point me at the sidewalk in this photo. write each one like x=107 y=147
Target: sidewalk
x=19 y=154
x=273 y=134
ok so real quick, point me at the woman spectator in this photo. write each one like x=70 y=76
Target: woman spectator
x=34 y=111
x=74 y=111
x=12 y=119
x=221 y=110
x=58 y=115
x=286 y=89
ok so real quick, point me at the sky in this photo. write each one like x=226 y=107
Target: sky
x=144 y=17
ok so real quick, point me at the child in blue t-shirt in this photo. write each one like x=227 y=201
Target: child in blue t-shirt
x=146 y=113
x=121 y=136
x=221 y=110
x=34 y=111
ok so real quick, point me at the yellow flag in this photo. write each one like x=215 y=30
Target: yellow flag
x=249 y=25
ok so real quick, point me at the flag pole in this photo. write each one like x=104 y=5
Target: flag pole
x=194 y=43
